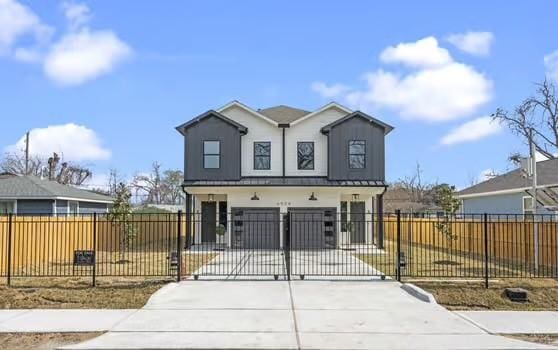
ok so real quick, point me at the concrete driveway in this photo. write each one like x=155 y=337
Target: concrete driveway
x=264 y=264
x=294 y=315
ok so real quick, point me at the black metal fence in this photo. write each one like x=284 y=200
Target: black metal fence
x=265 y=243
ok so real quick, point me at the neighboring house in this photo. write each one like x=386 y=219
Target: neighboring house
x=511 y=193
x=31 y=195
x=243 y=166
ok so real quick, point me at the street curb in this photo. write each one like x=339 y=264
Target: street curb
x=419 y=293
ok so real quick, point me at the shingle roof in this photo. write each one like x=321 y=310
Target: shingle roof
x=283 y=114
x=286 y=181
x=15 y=187
x=547 y=175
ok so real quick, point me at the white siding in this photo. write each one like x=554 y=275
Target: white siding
x=258 y=130
x=309 y=130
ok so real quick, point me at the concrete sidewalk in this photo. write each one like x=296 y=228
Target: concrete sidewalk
x=294 y=315
x=514 y=322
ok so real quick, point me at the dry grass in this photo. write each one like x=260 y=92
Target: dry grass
x=77 y=293
x=543 y=294
x=425 y=261
x=41 y=341
x=548 y=339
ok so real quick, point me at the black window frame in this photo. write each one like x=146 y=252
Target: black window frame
x=262 y=156
x=298 y=155
x=363 y=155
x=211 y=154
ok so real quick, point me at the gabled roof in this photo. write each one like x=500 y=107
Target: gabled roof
x=32 y=187
x=248 y=109
x=514 y=181
x=283 y=114
x=320 y=110
x=211 y=113
x=358 y=114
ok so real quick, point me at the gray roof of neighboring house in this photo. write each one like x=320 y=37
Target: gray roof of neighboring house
x=29 y=187
x=285 y=181
x=283 y=114
x=547 y=175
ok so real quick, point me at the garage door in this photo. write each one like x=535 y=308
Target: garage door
x=255 y=228
x=312 y=228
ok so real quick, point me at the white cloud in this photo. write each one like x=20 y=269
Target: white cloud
x=74 y=142
x=329 y=91
x=551 y=65
x=438 y=89
x=421 y=53
x=472 y=131
x=435 y=94
x=84 y=56
x=474 y=43
x=77 y=14
x=16 y=21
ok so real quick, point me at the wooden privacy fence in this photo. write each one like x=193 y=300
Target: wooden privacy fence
x=511 y=240
x=45 y=245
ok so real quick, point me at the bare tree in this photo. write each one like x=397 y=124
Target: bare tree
x=159 y=187
x=538 y=113
x=54 y=168
x=415 y=185
x=172 y=187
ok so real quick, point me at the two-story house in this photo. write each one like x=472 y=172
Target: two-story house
x=244 y=168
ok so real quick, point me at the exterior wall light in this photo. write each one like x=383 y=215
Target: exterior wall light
x=355 y=197
x=211 y=197
x=255 y=197
x=312 y=197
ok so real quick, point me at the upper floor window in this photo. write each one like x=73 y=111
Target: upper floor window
x=212 y=154
x=262 y=155
x=357 y=154
x=305 y=159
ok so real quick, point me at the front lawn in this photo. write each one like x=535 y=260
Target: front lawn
x=41 y=341
x=454 y=295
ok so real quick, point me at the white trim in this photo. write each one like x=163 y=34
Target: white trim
x=54 y=211
x=523 y=205
x=324 y=108
x=510 y=191
x=248 y=109
x=59 y=198
x=14 y=204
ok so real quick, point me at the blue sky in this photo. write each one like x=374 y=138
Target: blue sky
x=127 y=72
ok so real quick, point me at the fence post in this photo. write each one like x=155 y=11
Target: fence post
x=287 y=243
x=485 y=231
x=179 y=247
x=398 y=268
x=94 y=249
x=9 y=274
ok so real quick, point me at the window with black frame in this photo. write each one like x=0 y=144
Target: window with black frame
x=305 y=159
x=357 y=154
x=211 y=154
x=262 y=155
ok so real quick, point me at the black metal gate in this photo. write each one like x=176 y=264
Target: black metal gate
x=312 y=243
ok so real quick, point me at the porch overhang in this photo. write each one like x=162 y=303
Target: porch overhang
x=284 y=181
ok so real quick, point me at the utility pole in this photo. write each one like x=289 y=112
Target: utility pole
x=535 y=202
x=27 y=153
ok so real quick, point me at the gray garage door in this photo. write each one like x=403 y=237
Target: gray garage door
x=312 y=228
x=255 y=228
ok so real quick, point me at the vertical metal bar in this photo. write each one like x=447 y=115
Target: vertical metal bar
x=485 y=229
x=398 y=268
x=10 y=218
x=287 y=243
x=179 y=246
x=94 y=282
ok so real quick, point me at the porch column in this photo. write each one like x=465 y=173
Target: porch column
x=380 y=221
x=188 y=231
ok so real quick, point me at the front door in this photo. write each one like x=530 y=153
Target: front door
x=209 y=222
x=358 y=224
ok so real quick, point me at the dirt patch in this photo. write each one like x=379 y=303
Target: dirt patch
x=548 y=339
x=543 y=294
x=77 y=293
x=41 y=341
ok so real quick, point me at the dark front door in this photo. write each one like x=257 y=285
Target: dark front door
x=209 y=222
x=358 y=223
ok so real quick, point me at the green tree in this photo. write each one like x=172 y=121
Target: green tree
x=120 y=215
x=445 y=198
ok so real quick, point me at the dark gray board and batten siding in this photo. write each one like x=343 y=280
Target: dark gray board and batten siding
x=338 y=145
x=212 y=129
